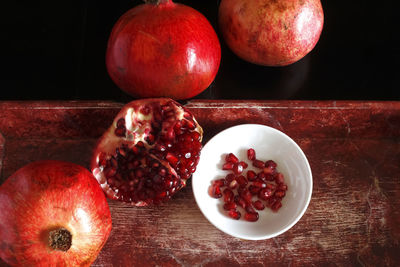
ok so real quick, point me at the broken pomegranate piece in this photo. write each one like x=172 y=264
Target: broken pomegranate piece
x=150 y=150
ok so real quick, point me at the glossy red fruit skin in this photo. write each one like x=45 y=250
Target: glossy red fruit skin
x=163 y=50
x=45 y=195
x=271 y=33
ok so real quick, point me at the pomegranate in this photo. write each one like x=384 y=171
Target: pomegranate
x=163 y=49
x=271 y=32
x=53 y=213
x=150 y=150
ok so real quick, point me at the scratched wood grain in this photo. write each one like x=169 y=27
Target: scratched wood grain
x=353 y=149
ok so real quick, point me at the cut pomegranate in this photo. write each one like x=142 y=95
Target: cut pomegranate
x=148 y=153
x=251 y=217
x=251 y=154
x=231 y=158
x=234 y=214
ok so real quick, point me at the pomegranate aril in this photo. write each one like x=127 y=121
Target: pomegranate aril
x=244 y=164
x=271 y=164
x=251 y=154
x=171 y=159
x=258 y=164
x=234 y=214
x=250 y=209
x=233 y=184
x=228 y=166
x=276 y=206
x=121 y=123
x=259 y=184
x=258 y=205
x=228 y=195
x=240 y=201
x=215 y=191
x=279 y=179
x=241 y=181
x=280 y=193
x=251 y=217
x=246 y=195
x=231 y=158
x=229 y=178
x=265 y=193
x=219 y=182
x=237 y=169
x=283 y=187
x=254 y=190
x=269 y=170
x=251 y=175
x=230 y=206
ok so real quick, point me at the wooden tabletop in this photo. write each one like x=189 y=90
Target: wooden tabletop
x=353 y=149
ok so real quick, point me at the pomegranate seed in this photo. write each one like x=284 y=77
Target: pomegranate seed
x=271 y=186
x=276 y=206
x=271 y=164
x=259 y=184
x=280 y=193
x=219 y=182
x=234 y=214
x=215 y=191
x=233 y=185
x=258 y=205
x=121 y=123
x=120 y=132
x=246 y=195
x=269 y=170
x=283 y=187
x=230 y=206
x=237 y=169
x=279 y=179
x=265 y=193
x=227 y=166
x=229 y=178
x=228 y=195
x=244 y=164
x=251 y=217
x=251 y=154
x=250 y=209
x=258 y=164
x=231 y=158
x=241 y=181
x=254 y=190
x=251 y=175
x=171 y=159
x=262 y=176
x=240 y=201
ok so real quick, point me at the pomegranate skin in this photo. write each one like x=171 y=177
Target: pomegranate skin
x=163 y=50
x=44 y=196
x=271 y=32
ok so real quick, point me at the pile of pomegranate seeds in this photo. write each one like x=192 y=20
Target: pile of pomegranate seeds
x=249 y=190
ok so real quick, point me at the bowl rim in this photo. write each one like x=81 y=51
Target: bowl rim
x=308 y=197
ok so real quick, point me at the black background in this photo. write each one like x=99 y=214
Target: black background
x=55 y=50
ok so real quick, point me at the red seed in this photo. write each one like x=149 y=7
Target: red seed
x=244 y=164
x=237 y=169
x=279 y=179
x=246 y=195
x=219 y=182
x=254 y=190
x=229 y=178
x=251 y=154
x=258 y=164
x=228 y=195
x=227 y=166
x=262 y=176
x=283 y=187
x=260 y=184
x=240 y=201
x=233 y=185
x=215 y=191
x=250 y=209
x=234 y=214
x=120 y=132
x=258 y=205
x=251 y=217
x=271 y=164
x=276 y=206
x=269 y=170
x=171 y=158
x=280 y=193
x=231 y=158
x=251 y=175
x=230 y=206
x=265 y=193
x=241 y=181
x=271 y=186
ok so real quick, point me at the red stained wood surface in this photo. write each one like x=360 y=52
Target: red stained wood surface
x=353 y=149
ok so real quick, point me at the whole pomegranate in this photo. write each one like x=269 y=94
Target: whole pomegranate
x=150 y=150
x=271 y=32
x=163 y=49
x=53 y=213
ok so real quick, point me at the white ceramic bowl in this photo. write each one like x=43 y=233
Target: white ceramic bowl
x=268 y=143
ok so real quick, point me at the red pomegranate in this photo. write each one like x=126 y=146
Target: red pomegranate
x=271 y=32
x=163 y=49
x=53 y=213
x=150 y=150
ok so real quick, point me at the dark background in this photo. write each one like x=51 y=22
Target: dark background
x=55 y=50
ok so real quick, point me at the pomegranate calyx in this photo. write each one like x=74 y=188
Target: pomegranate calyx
x=60 y=239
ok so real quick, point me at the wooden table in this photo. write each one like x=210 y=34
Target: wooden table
x=353 y=149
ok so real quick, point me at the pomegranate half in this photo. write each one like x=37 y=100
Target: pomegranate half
x=163 y=49
x=271 y=32
x=147 y=154
x=53 y=213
